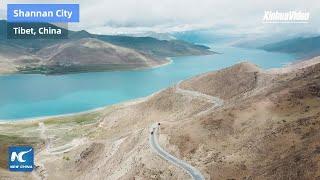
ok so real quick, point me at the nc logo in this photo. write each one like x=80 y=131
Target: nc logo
x=20 y=158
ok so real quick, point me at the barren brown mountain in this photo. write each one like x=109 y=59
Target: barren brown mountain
x=268 y=127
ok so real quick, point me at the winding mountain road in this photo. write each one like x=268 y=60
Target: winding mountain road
x=216 y=102
x=153 y=140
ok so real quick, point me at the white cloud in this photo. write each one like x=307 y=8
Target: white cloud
x=130 y=16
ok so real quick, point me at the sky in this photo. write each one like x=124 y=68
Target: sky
x=222 y=16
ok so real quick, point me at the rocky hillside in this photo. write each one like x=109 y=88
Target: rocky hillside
x=302 y=46
x=266 y=128
x=85 y=55
x=21 y=55
x=226 y=83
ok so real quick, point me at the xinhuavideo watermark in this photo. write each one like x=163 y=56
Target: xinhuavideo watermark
x=286 y=17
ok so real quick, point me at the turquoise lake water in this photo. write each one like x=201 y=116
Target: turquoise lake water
x=28 y=96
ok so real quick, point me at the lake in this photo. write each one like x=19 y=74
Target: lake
x=29 y=96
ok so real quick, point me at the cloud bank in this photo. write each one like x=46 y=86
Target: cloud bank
x=227 y=16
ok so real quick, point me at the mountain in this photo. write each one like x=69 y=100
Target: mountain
x=266 y=125
x=149 y=45
x=86 y=54
x=206 y=36
x=301 y=46
x=22 y=55
x=160 y=36
x=153 y=46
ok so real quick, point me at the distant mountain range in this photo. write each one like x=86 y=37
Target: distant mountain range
x=160 y=36
x=84 y=51
x=302 y=46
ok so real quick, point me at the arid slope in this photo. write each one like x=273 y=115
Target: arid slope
x=87 y=54
x=267 y=128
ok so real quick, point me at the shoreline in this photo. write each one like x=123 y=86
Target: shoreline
x=298 y=64
x=170 y=61
x=43 y=118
